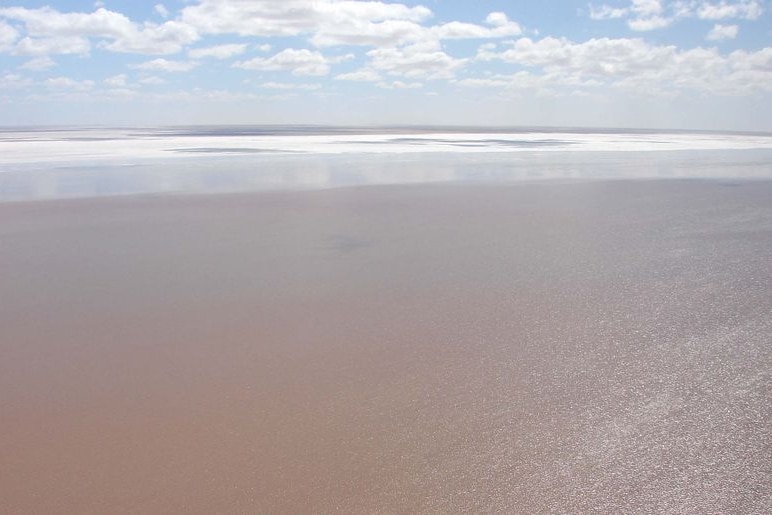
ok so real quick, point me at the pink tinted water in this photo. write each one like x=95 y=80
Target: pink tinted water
x=576 y=347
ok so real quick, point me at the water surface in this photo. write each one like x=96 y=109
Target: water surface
x=509 y=347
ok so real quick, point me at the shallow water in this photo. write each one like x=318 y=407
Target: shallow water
x=592 y=346
x=205 y=174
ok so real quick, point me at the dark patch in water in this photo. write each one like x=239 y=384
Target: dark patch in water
x=345 y=243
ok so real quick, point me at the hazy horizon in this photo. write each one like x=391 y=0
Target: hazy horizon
x=418 y=127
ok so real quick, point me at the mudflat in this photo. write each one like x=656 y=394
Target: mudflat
x=595 y=346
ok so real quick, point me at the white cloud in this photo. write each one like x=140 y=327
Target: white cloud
x=543 y=84
x=404 y=47
x=218 y=51
x=325 y=22
x=606 y=12
x=69 y=84
x=392 y=33
x=151 y=81
x=289 y=85
x=501 y=26
x=161 y=10
x=424 y=60
x=650 y=23
x=121 y=33
x=14 y=81
x=637 y=65
x=646 y=8
x=48 y=22
x=363 y=75
x=116 y=81
x=299 y=62
x=644 y=15
x=382 y=34
x=337 y=22
x=165 y=65
x=483 y=83
x=292 y=18
x=52 y=46
x=748 y=10
x=167 y=38
x=719 y=32
x=752 y=61
x=116 y=93
x=647 y=15
x=398 y=84
x=8 y=35
x=498 y=19
x=38 y=63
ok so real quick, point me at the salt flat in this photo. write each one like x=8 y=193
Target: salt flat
x=99 y=145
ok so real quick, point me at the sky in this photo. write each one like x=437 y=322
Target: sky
x=686 y=64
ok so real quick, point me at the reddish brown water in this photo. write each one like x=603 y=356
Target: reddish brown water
x=578 y=347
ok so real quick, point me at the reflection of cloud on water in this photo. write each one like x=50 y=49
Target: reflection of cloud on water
x=208 y=173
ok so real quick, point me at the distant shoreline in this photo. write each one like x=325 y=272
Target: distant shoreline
x=377 y=129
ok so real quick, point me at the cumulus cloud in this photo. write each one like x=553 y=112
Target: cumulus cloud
x=382 y=34
x=747 y=10
x=645 y=15
x=165 y=65
x=390 y=26
x=167 y=38
x=297 y=61
x=115 y=31
x=218 y=51
x=52 y=46
x=363 y=75
x=500 y=26
x=424 y=60
x=293 y=17
x=8 y=35
x=606 y=12
x=69 y=84
x=402 y=46
x=161 y=10
x=38 y=64
x=337 y=22
x=719 y=32
x=638 y=65
x=650 y=23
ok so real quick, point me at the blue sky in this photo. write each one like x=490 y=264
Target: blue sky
x=702 y=64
